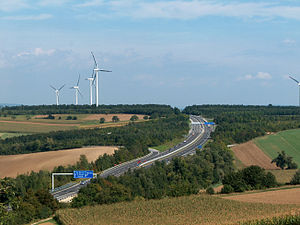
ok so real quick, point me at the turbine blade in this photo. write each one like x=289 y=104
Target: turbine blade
x=96 y=64
x=80 y=92
x=78 y=80
x=294 y=79
x=61 y=87
x=105 y=70
x=52 y=87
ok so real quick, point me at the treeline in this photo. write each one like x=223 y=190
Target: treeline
x=134 y=136
x=183 y=176
x=239 y=123
x=147 y=109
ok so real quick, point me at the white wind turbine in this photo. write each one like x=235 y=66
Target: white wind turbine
x=57 y=93
x=298 y=85
x=96 y=78
x=76 y=87
x=91 y=79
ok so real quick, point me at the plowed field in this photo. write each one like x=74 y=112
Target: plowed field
x=12 y=165
x=249 y=154
x=285 y=196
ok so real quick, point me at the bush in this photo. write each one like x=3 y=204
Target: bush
x=146 y=117
x=296 y=178
x=227 y=189
x=102 y=120
x=210 y=191
x=134 y=118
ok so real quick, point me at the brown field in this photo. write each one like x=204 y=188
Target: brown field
x=194 y=209
x=249 y=154
x=108 y=117
x=12 y=165
x=284 y=196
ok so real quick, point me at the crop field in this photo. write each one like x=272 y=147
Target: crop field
x=249 y=154
x=288 y=195
x=288 y=141
x=38 y=123
x=194 y=209
x=12 y=165
x=9 y=135
x=283 y=176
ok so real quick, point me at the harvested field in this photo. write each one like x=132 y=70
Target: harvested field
x=194 y=209
x=108 y=117
x=284 y=196
x=12 y=165
x=249 y=154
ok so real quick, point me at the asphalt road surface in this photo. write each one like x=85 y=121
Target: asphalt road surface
x=197 y=137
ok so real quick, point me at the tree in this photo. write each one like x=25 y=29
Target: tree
x=102 y=120
x=283 y=161
x=115 y=119
x=134 y=118
x=146 y=117
x=296 y=178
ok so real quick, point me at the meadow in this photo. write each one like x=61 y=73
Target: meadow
x=194 y=209
x=288 y=141
x=38 y=124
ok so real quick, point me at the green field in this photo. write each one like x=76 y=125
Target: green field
x=169 y=144
x=288 y=141
x=9 y=135
x=194 y=209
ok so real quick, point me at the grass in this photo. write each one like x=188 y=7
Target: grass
x=31 y=128
x=24 y=124
x=9 y=135
x=281 y=220
x=194 y=209
x=283 y=176
x=288 y=141
x=169 y=144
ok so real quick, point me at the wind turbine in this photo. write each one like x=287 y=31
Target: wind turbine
x=91 y=79
x=76 y=87
x=96 y=79
x=298 y=85
x=57 y=93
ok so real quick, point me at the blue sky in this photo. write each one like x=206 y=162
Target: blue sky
x=179 y=52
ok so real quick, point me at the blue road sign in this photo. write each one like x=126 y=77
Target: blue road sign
x=199 y=146
x=209 y=123
x=83 y=173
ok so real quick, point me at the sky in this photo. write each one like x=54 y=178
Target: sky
x=177 y=52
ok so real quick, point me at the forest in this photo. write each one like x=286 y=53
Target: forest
x=239 y=123
x=147 y=109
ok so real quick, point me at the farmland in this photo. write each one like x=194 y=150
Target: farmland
x=194 y=209
x=12 y=165
x=39 y=123
x=288 y=195
x=288 y=141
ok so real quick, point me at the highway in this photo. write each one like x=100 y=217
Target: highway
x=197 y=137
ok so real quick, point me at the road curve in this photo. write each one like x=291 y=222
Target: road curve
x=198 y=136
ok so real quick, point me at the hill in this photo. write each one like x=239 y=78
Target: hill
x=288 y=141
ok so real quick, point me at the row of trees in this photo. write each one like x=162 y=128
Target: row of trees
x=147 y=109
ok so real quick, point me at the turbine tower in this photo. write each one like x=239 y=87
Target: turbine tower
x=96 y=78
x=57 y=93
x=76 y=87
x=298 y=85
x=91 y=79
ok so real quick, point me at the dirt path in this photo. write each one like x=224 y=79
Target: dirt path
x=37 y=123
x=249 y=154
x=12 y=165
x=285 y=196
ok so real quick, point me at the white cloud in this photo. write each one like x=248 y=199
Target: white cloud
x=258 y=76
x=192 y=9
x=289 y=41
x=37 y=52
x=90 y=3
x=13 y=5
x=28 y=17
